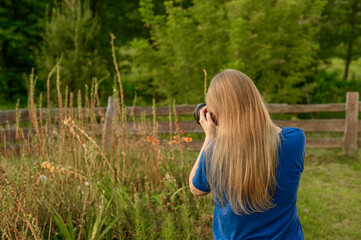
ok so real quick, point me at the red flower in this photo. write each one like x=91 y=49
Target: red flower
x=187 y=139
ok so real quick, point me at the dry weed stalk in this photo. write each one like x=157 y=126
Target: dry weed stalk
x=205 y=84
x=76 y=157
x=112 y=37
x=60 y=105
x=48 y=93
x=72 y=127
x=18 y=208
x=39 y=145
x=179 y=142
x=122 y=112
x=155 y=134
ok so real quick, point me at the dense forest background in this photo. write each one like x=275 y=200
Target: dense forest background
x=296 y=51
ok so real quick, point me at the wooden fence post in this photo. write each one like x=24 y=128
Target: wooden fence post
x=351 y=128
x=108 y=123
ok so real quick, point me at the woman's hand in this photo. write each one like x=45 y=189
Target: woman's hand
x=205 y=119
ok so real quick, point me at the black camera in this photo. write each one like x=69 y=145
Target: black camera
x=197 y=112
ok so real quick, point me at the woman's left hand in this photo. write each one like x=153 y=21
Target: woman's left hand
x=205 y=119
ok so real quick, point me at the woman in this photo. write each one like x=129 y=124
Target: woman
x=252 y=166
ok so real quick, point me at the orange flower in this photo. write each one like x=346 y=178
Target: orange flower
x=155 y=141
x=187 y=139
x=175 y=141
x=46 y=165
x=149 y=139
x=182 y=131
x=174 y=137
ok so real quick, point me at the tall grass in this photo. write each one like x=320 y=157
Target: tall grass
x=61 y=183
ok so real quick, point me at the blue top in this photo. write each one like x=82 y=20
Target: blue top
x=279 y=222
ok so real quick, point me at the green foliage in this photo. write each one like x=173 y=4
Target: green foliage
x=70 y=34
x=20 y=25
x=184 y=42
x=148 y=214
x=331 y=88
x=336 y=29
x=163 y=46
x=68 y=233
x=135 y=78
x=96 y=229
x=185 y=221
x=340 y=34
x=168 y=228
x=276 y=41
x=271 y=41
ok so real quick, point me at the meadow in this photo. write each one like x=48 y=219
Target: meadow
x=63 y=182
x=52 y=201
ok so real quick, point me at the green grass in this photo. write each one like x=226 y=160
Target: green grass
x=329 y=199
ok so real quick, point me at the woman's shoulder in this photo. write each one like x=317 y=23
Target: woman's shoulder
x=292 y=148
x=293 y=137
x=293 y=132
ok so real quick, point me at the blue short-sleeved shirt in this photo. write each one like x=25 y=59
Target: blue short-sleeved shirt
x=281 y=221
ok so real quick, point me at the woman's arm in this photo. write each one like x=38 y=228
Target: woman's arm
x=194 y=190
x=210 y=130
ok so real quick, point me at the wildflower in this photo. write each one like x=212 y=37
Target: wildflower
x=149 y=139
x=46 y=165
x=42 y=179
x=182 y=132
x=52 y=169
x=86 y=183
x=175 y=141
x=155 y=141
x=187 y=139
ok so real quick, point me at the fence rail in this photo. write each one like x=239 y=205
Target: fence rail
x=350 y=126
x=9 y=116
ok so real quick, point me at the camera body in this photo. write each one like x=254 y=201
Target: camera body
x=197 y=113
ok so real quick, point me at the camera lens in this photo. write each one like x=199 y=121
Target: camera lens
x=197 y=113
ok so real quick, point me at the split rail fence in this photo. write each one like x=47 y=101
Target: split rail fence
x=350 y=126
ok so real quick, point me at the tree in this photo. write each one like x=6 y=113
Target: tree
x=274 y=42
x=340 y=34
x=123 y=19
x=71 y=34
x=277 y=42
x=20 y=27
x=184 y=41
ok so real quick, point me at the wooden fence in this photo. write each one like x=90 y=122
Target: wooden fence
x=350 y=126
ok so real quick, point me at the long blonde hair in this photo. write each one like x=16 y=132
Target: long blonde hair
x=241 y=169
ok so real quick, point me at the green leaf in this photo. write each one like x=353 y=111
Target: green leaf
x=60 y=223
